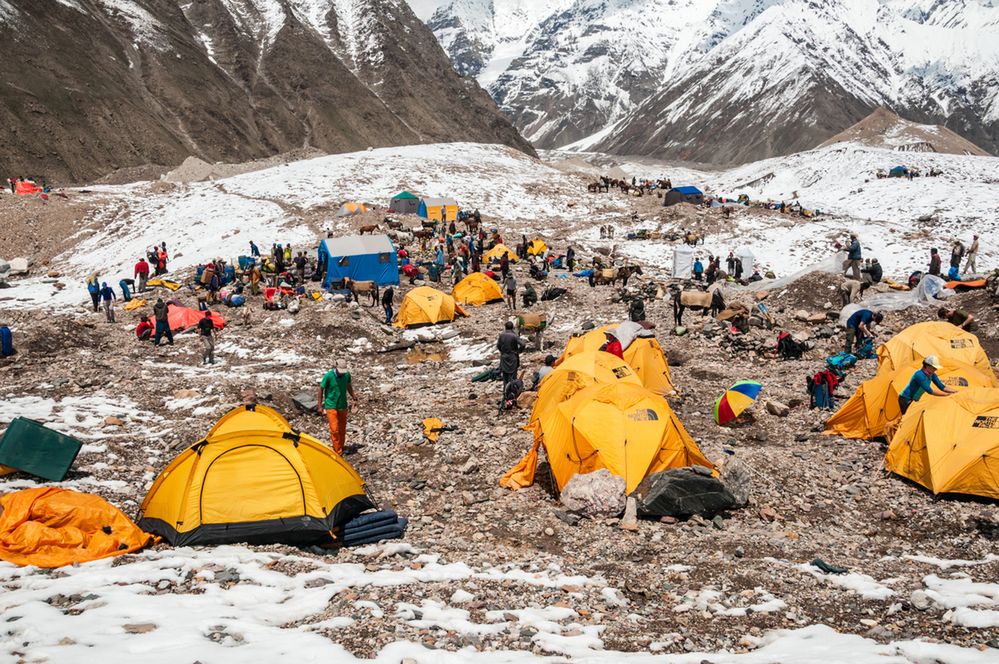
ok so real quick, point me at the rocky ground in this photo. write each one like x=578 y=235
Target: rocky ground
x=669 y=587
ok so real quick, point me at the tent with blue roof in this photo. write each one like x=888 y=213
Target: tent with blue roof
x=691 y=195
x=360 y=258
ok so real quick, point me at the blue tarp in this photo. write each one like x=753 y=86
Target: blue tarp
x=360 y=258
x=689 y=191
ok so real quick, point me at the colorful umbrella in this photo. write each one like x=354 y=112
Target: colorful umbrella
x=737 y=399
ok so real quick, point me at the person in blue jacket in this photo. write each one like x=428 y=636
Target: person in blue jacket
x=860 y=326
x=94 y=288
x=698 y=269
x=924 y=381
x=126 y=294
x=854 y=256
x=254 y=250
x=107 y=301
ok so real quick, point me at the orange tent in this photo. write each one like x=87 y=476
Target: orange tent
x=26 y=188
x=51 y=527
x=184 y=318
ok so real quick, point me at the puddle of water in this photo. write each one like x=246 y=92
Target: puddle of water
x=417 y=355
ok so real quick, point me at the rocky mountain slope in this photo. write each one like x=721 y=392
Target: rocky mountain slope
x=726 y=80
x=96 y=85
x=884 y=129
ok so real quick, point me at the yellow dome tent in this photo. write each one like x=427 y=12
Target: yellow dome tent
x=938 y=338
x=644 y=354
x=621 y=427
x=874 y=405
x=476 y=289
x=577 y=373
x=253 y=479
x=536 y=247
x=427 y=306
x=950 y=444
x=52 y=527
x=496 y=253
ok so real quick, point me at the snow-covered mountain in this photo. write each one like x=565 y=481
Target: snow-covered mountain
x=726 y=80
x=96 y=85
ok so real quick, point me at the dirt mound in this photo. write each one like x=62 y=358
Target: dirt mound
x=884 y=129
x=134 y=174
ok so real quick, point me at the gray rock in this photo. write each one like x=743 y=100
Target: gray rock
x=920 y=600
x=569 y=518
x=736 y=477
x=305 y=402
x=596 y=495
x=777 y=408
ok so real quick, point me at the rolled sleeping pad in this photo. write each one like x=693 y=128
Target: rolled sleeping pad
x=391 y=531
x=362 y=520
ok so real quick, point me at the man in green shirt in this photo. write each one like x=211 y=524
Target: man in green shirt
x=958 y=317
x=334 y=389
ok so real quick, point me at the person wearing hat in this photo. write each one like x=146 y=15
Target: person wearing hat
x=334 y=388
x=613 y=346
x=971 y=257
x=924 y=381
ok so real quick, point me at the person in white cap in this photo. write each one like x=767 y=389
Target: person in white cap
x=923 y=382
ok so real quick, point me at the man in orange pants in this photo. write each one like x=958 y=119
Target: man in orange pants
x=334 y=388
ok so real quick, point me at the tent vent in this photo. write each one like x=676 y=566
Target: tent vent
x=251 y=407
x=292 y=435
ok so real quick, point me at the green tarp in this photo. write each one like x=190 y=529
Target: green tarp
x=35 y=449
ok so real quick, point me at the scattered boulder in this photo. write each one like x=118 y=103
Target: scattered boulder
x=736 y=477
x=777 y=408
x=111 y=420
x=596 y=495
x=19 y=266
x=305 y=402
x=682 y=493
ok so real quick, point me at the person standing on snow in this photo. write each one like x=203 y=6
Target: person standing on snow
x=107 y=300
x=94 y=288
x=254 y=250
x=971 y=257
x=141 y=274
x=854 y=256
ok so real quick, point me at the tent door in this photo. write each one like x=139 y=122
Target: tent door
x=251 y=483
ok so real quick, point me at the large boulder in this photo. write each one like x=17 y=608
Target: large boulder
x=597 y=495
x=682 y=493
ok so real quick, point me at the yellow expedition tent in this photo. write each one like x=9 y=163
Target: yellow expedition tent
x=644 y=355
x=874 y=405
x=622 y=427
x=950 y=444
x=938 y=338
x=52 y=527
x=253 y=479
x=438 y=209
x=427 y=306
x=476 y=289
x=536 y=247
x=496 y=253
x=577 y=373
x=351 y=208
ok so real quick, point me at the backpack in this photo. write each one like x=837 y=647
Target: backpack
x=788 y=348
x=6 y=342
x=866 y=350
x=820 y=389
x=840 y=363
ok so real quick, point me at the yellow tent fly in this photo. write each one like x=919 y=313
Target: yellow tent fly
x=253 y=479
x=619 y=426
x=874 y=405
x=938 y=338
x=427 y=306
x=950 y=444
x=476 y=289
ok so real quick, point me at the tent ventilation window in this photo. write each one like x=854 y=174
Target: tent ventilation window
x=384 y=258
x=344 y=262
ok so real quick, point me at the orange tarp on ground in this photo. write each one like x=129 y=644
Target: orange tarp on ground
x=51 y=527
x=185 y=318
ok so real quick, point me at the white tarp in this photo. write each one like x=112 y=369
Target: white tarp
x=683 y=262
x=747 y=259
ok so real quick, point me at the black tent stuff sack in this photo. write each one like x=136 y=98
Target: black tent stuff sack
x=682 y=493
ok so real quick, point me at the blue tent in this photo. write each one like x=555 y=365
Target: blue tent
x=898 y=172
x=360 y=258
x=676 y=195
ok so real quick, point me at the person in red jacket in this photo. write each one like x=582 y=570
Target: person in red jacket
x=142 y=274
x=144 y=330
x=613 y=346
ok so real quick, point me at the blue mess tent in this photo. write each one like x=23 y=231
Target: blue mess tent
x=676 y=195
x=360 y=258
x=898 y=172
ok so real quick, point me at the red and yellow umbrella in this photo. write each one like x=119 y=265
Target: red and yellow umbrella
x=736 y=399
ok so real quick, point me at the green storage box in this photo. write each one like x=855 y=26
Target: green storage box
x=33 y=448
